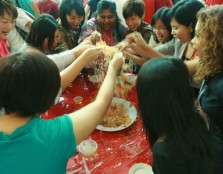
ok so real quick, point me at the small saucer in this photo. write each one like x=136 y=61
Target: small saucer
x=141 y=168
x=94 y=79
x=88 y=147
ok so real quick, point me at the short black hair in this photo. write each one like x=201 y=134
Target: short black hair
x=9 y=7
x=44 y=26
x=164 y=15
x=185 y=12
x=66 y=8
x=29 y=83
x=133 y=7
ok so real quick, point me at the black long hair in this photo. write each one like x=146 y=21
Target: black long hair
x=164 y=15
x=185 y=12
x=44 y=26
x=66 y=7
x=167 y=108
x=109 y=5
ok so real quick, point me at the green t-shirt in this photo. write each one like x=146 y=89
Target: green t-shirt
x=39 y=147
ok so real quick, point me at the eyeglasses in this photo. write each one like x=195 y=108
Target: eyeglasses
x=7 y=21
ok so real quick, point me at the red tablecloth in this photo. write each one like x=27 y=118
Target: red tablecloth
x=117 y=151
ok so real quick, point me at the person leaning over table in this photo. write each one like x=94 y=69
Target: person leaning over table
x=44 y=36
x=29 y=144
x=161 y=27
x=183 y=21
x=208 y=41
x=107 y=23
x=133 y=12
x=71 y=19
x=176 y=133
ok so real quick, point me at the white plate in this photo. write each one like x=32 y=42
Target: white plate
x=94 y=79
x=141 y=168
x=132 y=113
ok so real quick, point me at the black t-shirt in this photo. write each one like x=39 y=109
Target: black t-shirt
x=211 y=100
x=167 y=159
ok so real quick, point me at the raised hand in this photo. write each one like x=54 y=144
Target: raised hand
x=95 y=37
x=92 y=54
x=117 y=61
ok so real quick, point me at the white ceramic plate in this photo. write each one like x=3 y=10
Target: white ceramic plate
x=141 y=168
x=132 y=113
x=94 y=79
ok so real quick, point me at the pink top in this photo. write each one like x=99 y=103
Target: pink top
x=48 y=7
x=3 y=48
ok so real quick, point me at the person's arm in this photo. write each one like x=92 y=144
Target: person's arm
x=140 y=47
x=71 y=72
x=65 y=58
x=136 y=59
x=86 y=119
x=23 y=21
x=87 y=10
x=87 y=29
x=16 y=42
x=28 y=25
x=35 y=9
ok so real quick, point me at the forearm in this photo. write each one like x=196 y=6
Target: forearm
x=151 y=53
x=71 y=72
x=86 y=9
x=78 y=50
x=86 y=119
x=35 y=9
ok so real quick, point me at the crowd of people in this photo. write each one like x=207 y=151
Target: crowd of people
x=179 y=80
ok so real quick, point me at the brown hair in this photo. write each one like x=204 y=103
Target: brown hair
x=210 y=46
x=9 y=7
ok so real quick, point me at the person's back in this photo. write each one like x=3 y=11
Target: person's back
x=173 y=160
x=51 y=144
x=176 y=132
x=29 y=144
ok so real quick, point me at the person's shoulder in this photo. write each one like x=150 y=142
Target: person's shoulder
x=91 y=22
x=122 y=25
x=146 y=25
x=217 y=82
